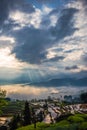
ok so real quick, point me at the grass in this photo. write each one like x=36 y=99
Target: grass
x=40 y=126
x=75 y=119
x=82 y=115
x=63 y=123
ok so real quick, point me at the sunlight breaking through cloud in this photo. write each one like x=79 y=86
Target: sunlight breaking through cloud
x=43 y=44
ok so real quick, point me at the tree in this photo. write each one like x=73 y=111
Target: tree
x=27 y=114
x=45 y=106
x=14 y=124
x=3 y=102
x=41 y=116
x=83 y=97
x=3 y=128
x=34 y=120
x=68 y=98
x=2 y=94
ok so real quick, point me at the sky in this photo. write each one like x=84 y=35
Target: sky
x=43 y=47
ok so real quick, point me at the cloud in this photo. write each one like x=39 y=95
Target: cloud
x=31 y=42
x=44 y=1
x=64 y=26
x=49 y=38
x=6 y=59
x=84 y=58
x=32 y=92
x=50 y=17
x=84 y=3
x=63 y=82
x=33 y=36
x=43 y=78
x=23 y=75
x=24 y=92
x=53 y=3
x=27 y=92
x=55 y=59
x=6 y=6
x=6 y=41
x=71 y=68
x=23 y=19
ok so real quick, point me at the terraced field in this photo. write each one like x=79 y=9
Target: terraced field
x=71 y=117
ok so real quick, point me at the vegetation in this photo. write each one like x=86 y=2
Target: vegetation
x=15 y=123
x=3 y=101
x=27 y=114
x=83 y=126
x=30 y=115
x=77 y=121
x=40 y=126
x=83 y=97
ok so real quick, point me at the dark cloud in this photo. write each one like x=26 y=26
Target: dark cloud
x=46 y=1
x=10 y=5
x=71 y=50
x=8 y=26
x=71 y=67
x=64 y=26
x=56 y=2
x=46 y=21
x=78 y=79
x=81 y=74
x=54 y=11
x=32 y=42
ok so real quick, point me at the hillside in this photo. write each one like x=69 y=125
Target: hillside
x=74 y=122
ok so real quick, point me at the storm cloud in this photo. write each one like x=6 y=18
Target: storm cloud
x=64 y=26
x=71 y=68
x=31 y=42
